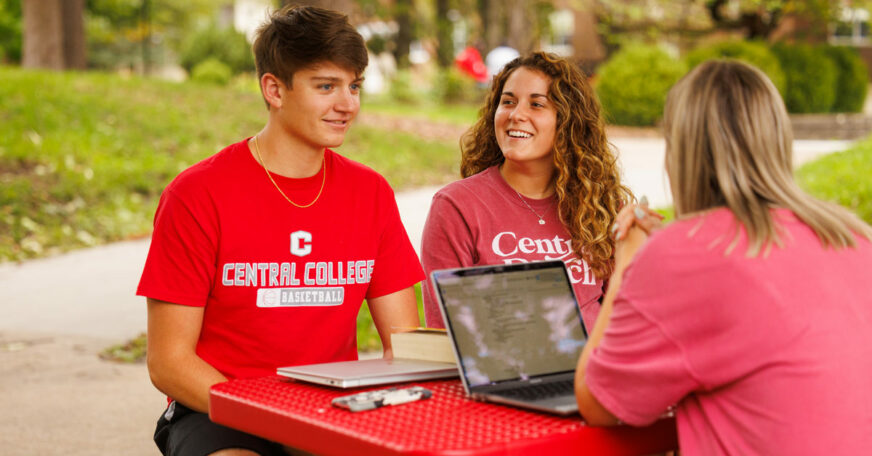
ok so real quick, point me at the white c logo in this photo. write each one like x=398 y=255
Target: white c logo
x=301 y=243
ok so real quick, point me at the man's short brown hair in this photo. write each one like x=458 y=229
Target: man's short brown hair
x=297 y=37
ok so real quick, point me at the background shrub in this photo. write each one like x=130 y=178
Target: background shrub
x=452 y=86
x=10 y=30
x=811 y=78
x=223 y=44
x=401 y=88
x=212 y=71
x=753 y=52
x=852 y=80
x=633 y=84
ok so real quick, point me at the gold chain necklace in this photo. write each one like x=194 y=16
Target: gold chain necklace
x=323 y=178
x=541 y=217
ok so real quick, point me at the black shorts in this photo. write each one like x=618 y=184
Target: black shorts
x=181 y=431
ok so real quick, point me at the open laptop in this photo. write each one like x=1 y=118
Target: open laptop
x=379 y=371
x=516 y=331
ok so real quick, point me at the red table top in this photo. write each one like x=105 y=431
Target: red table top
x=300 y=415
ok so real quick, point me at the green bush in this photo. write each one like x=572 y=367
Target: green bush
x=755 y=53
x=212 y=71
x=10 y=30
x=632 y=85
x=852 y=81
x=811 y=78
x=452 y=86
x=223 y=44
x=401 y=88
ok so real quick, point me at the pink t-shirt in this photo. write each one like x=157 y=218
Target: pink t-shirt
x=481 y=220
x=764 y=355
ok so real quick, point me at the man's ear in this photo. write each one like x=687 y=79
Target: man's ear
x=272 y=89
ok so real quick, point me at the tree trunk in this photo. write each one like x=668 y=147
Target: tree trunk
x=587 y=45
x=73 y=19
x=491 y=23
x=54 y=34
x=520 y=26
x=403 y=16
x=445 y=52
x=42 y=45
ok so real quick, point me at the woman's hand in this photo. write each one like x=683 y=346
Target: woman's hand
x=638 y=215
x=632 y=227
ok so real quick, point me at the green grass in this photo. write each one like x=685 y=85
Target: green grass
x=132 y=351
x=85 y=156
x=844 y=178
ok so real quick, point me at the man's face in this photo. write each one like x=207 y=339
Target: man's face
x=317 y=109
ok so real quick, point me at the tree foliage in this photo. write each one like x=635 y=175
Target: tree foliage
x=752 y=19
x=632 y=85
x=10 y=30
x=139 y=32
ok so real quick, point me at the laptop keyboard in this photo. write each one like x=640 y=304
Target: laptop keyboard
x=540 y=390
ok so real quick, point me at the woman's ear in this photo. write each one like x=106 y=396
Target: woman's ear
x=272 y=89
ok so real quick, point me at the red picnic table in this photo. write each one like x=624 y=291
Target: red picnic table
x=300 y=415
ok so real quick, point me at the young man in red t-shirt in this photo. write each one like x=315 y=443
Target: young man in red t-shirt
x=263 y=253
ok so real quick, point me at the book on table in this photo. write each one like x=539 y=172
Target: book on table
x=427 y=344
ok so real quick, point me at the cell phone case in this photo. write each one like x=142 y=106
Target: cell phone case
x=371 y=400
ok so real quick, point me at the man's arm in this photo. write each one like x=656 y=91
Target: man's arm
x=173 y=364
x=395 y=310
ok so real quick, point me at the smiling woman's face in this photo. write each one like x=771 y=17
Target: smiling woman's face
x=525 y=120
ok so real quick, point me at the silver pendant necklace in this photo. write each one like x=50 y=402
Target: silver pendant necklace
x=541 y=219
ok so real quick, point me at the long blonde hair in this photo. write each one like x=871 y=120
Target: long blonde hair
x=588 y=186
x=729 y=143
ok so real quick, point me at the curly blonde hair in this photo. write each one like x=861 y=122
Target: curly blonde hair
x=588 y=185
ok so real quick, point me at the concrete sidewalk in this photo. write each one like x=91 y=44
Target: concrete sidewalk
x=57 y=313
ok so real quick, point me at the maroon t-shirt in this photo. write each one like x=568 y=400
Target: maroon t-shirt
x=481 y=220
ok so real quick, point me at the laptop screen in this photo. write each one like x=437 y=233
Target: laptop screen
x=511 y=322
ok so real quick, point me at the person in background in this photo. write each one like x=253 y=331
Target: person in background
x=540 y=182
x=752 y=311
x=263 y=253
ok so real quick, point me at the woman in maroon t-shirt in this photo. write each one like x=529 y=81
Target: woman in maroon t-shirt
x=540 y=183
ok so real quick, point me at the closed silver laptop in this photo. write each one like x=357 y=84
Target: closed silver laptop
x=516 y=330
x=378 y=371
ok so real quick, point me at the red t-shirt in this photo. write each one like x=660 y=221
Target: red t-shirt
x=764 y=355
x=481 y=220
x=281 y=285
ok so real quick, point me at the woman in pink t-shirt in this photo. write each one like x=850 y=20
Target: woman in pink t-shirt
x=540 y=183
x=752 y=312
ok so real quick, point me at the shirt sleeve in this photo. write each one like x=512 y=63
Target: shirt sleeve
x=446 y=242
x=396 y=265
x=638 y=371
x=180 y=267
